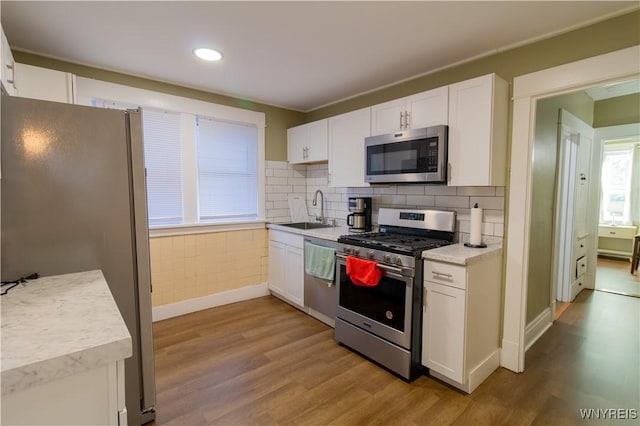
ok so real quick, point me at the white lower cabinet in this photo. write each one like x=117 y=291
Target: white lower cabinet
x=91 y=397
x=286 y=266
x=461 y=321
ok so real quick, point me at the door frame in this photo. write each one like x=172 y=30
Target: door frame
x=527 y=89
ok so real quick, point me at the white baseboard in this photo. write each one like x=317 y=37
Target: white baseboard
x=509 y=356
x=536 y=328
x=198 y=304
x=483 y=370
x=476 y=376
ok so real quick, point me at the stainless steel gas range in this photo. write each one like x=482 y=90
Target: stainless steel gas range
x=383 y=322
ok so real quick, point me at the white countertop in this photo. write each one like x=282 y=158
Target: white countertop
x=459 y=254
x=57 y=326
x=331 y=233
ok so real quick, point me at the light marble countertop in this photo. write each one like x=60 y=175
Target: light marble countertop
x=459 y=254
x=57 y=326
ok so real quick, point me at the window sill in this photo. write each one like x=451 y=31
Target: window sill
x=204 y=228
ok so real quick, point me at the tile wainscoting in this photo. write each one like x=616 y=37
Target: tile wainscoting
x=193 y=266
x=283 y=178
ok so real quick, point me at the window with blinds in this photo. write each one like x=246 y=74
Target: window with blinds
x=227 y=156
x=618 y=170
x=199 y=169
x=163 y=160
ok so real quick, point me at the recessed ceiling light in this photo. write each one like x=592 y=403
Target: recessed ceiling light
x=207 y=54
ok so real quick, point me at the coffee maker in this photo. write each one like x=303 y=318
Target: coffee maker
x=359 y=220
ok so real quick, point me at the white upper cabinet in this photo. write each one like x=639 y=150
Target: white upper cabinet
x=308 y=143
x=346 y=148
x=424 y=109
x=478 y=131
x=45 y=84
x=8 y=71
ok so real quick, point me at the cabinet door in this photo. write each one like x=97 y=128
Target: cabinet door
x=318 y=141
x=429 y=108
x=45 y=84
x=7 y=72
x=387 y=117
x=478 y=132
x=277 y=262
x=346 y=148
x=294 y=271
x=296 y=144
x=443 y=330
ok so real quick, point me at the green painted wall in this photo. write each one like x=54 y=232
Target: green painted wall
x=278 y=120
x=543 y=194
x=617 y=111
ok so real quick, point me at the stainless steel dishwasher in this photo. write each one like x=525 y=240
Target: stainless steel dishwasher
x=320 y=295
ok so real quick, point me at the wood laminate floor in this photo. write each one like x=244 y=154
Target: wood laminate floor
x=262 y=362
x=615 y=275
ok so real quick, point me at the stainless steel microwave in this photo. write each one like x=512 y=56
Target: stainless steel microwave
x=411 y=156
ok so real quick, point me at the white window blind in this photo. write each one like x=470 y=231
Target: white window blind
x=163 y=161
x=162 y=157
x=617 y=166
x=227 y=169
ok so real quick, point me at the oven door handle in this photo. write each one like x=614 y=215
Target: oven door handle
x=379 y=265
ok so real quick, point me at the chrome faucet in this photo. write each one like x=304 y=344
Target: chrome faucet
x=320 y=218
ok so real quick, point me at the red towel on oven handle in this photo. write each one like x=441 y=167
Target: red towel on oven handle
x=362 y=272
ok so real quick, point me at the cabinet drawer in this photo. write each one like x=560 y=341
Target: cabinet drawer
x=624 y=232
x=287 y=238
x=447 y=274
x=581 y=266
x=580 y=248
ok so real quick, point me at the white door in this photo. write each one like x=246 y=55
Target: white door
x=575 y=139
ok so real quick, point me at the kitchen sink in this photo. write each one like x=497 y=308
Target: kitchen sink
x=306 y=225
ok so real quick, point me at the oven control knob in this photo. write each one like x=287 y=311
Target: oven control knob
x=386 y=258
x=397 y=260
x=347 y=249
x=371 y=254
x=356 y=251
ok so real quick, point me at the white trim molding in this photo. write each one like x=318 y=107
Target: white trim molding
x=615 y=66
x=163 y=312
x=536 y=328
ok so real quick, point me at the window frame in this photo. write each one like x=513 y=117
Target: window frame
x=88 y=89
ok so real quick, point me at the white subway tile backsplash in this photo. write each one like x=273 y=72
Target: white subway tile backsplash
x=452 y=201
x=494 y=203
x=478 y=191
x=272 y=181
x=410 y=189
x=439 y=190
x=306 y=179
x=421 y=200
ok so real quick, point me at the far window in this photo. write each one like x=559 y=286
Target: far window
x=617 y=172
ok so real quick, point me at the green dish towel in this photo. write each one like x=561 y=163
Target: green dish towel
x=319 y=261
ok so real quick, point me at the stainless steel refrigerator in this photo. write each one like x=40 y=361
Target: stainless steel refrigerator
x=74 y=199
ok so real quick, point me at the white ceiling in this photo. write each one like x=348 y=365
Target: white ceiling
x=299 y=55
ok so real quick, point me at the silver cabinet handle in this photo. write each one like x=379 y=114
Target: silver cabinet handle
x=401 y=116
x=442 y=274
x=406 y=119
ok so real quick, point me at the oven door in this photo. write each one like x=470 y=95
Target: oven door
x=383 y=310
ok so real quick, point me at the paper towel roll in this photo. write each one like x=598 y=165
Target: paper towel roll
x=476 y=226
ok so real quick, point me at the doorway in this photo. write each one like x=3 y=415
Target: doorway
x=527 y=90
